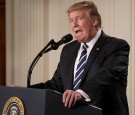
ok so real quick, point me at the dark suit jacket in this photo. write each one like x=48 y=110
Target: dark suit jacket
x=105 y=74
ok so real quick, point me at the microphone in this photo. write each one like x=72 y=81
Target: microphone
x=65 y=39
x=54 y=46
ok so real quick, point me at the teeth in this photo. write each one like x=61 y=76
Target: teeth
x=78 y=32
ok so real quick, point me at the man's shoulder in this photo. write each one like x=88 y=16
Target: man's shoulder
x=114 y=40
x=72 y=44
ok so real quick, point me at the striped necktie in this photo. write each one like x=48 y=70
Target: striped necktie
x=80 y=67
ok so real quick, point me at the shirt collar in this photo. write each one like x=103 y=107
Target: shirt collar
x=93 y=41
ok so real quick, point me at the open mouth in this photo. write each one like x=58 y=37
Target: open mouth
x=78 y=31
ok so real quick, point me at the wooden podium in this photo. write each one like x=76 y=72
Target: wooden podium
x=27 y=101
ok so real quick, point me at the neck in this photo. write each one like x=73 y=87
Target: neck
x=93 y=34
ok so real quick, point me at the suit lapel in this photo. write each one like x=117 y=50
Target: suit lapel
x=97 y=48
x=71 y=70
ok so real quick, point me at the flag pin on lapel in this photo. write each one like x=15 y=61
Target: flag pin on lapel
x=97 y=49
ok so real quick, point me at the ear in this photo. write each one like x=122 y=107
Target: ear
x=95 y=23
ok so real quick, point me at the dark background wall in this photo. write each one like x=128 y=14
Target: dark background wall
x=2 y=44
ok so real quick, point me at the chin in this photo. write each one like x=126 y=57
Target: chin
x=80 y=40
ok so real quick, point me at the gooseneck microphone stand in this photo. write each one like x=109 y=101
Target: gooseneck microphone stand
x=39 y=55
x=52 y=45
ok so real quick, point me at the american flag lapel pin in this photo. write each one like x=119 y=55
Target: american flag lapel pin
x=97 y=49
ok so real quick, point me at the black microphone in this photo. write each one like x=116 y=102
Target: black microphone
x=65 y=39
x=55 y=45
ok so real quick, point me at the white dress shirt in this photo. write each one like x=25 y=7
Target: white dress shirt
x=90 y=44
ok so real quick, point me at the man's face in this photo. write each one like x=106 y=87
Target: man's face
x=82 y=25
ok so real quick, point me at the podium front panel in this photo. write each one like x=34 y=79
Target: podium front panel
x=33 y=99
x=43 y=102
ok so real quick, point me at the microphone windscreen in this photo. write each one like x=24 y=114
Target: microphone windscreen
x=67 y=38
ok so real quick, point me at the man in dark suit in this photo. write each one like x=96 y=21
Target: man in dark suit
x=100 y=76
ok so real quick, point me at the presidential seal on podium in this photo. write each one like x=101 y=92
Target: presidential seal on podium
x=13 y=106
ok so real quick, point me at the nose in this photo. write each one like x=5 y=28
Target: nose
x=74 y=23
